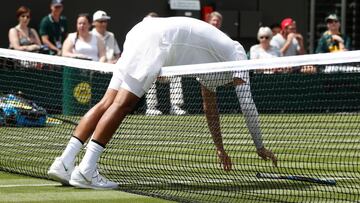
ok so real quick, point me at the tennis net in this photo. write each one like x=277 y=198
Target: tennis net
x=308 y=107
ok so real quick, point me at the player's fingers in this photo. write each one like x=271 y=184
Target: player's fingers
x=273 y=159
x=227 y=166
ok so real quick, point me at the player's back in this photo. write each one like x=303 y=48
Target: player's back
x=191 y=40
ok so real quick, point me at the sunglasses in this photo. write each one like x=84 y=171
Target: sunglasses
x=102 y=21
x=332 y=21
x=264 y=37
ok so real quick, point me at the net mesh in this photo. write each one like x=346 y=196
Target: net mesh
x=309 y=119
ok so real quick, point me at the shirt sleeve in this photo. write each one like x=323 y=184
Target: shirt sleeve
x=43 y=28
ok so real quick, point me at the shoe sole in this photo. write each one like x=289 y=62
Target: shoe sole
x=86 y=186
x=54 y=176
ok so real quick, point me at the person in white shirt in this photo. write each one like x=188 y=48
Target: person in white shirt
x=289 y=41
x=100 y=23
x=82 y=43
x=264 y=49
x=150 y=45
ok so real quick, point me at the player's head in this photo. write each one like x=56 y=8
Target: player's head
x=288 y=25
x=100 y=21
x=215 y=19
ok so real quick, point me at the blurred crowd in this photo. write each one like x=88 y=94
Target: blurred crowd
x=93 y=41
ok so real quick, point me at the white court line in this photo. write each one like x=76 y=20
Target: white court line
x=30 y=185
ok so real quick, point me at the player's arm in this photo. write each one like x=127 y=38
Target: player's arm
x=251 y=115
x=213 y=120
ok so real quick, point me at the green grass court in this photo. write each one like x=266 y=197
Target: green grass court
x=173 y=157
x=19 y=188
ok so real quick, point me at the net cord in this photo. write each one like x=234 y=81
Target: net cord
x=279 y=62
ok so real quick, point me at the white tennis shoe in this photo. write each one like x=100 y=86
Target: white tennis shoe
x=153 y=112
x=176 y=110
x=58 y=171
x=96 y=181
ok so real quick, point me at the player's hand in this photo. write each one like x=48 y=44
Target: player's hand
x=225 y=160
x=266 y=154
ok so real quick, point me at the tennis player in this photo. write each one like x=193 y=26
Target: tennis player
x=150 y=45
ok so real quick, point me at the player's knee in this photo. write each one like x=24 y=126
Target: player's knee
x=125 y=107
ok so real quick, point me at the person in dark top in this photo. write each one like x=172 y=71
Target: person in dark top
x=53 y=28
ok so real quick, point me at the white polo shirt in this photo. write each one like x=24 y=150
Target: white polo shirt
x=111 y=45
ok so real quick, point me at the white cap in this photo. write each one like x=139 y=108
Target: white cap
x=100 y=15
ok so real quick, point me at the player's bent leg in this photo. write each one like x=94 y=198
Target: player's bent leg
x=89 y=121
x=87 y=175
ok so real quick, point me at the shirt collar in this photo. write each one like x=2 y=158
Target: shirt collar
x=106 y=35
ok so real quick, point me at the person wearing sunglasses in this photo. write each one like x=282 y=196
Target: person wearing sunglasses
x=22 y=37
x=264 y=49
x=100 y=23
x=332 y=40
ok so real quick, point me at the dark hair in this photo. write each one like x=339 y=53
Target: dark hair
x=21 y=10
x=86 y=15
x=274 y=25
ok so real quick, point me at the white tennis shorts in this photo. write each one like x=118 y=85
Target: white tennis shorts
x=128 y=83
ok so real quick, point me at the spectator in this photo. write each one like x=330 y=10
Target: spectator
x=264 y=49
x=100 y=22
x=215 y=19
x=333 y=40
x=288 y=40
x=275 y=28
x=22 y=37
x=176 y=92
x=53 y=28
x=83 y=44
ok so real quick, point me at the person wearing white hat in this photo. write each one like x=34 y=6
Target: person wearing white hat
x=100 y=23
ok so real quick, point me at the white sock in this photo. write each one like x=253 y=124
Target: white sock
x=71 y=151
x=92 y=155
